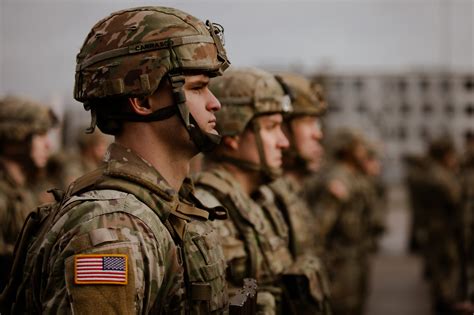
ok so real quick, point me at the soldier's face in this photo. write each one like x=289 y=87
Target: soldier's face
x=307 y=136
x=273 y=140
x=201 y=102
x=40 y=149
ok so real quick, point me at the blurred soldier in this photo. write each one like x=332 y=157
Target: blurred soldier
x=466 y=298
x=444 y=225
x=255 y=242
x=123 y=240
x=374 y=192
x=67 y=166
x=24 y=150
x=416 y=168
x=340 y=208
x=307 y=276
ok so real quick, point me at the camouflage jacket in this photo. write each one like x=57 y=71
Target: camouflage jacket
x=16 y=202
x=255 y=243
x=305 y=241
x=340 y=208
x=124 y=242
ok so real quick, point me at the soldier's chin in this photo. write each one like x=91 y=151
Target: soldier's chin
x=213 y=131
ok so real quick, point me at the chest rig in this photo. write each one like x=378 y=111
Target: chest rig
x=265 y=234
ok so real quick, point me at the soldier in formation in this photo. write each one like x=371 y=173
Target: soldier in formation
x=24 y=151
x=67 y=166
x=255 y=241
x=130 y=237
x=307 y=275
x=339 y=202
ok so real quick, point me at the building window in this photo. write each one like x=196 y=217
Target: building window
x=427 y=109
x=361 y=108
x=469 y=109
x=424 y=133
x=445 y=86
x=449 y=109
x=402 y=133
x=469 y=84
x=402 y=85
x=424 y=85
x=405 y=109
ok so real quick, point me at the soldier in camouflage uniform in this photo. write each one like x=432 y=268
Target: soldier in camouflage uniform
x=310 y=287
x=123 y=240
x=255 y=241
x=374 y=191
x=24 y=150
x=466 y=295
x=70 y=165
x=340 y=207
x=443 y=225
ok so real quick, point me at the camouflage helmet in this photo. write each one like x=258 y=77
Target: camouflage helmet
x=20 y=118
x=305 y=98
x=129 y=52
x=244 y=94
x=344 y=141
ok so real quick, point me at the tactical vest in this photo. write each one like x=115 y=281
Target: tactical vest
x=264 y=235
x=303 y=228
x=303 y=239
x=197 y=244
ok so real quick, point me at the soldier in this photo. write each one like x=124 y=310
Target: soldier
x=123 y=240
x=444 y=225
x=310 y=293
x=24 y=150
x=416 y=168
x=255 y=242
x=67 y=166
x=374 y=192
x=340 y=208
x=466 y=297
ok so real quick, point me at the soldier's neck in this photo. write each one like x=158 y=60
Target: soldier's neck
x=15 y=171
x=171 y=162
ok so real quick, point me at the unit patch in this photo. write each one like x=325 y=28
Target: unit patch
x=100 y=269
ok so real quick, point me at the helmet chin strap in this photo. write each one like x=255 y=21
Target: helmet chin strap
x=204 y=141
x=269 y=173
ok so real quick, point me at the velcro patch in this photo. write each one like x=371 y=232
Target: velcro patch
x=101 y=269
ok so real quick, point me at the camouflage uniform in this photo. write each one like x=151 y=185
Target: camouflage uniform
x=174 y=264
x=255 y=240
x=122 y=241
x=19 y=120
x=444 y=234
x=311 y=294
x=466 y=253
x=416 y=182
x=340 y=207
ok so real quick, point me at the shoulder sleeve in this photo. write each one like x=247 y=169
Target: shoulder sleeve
x=111 y=263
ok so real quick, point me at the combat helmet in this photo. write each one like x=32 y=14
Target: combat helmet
x=21 y=118
x=245 y=94
x=306 y=100
x=131 y=51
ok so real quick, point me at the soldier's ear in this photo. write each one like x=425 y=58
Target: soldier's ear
x=140 y=106
x=231 y=142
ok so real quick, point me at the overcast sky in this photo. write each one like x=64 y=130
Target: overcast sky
x=40 y=39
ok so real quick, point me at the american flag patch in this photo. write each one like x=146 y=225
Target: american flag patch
x=100 y=269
